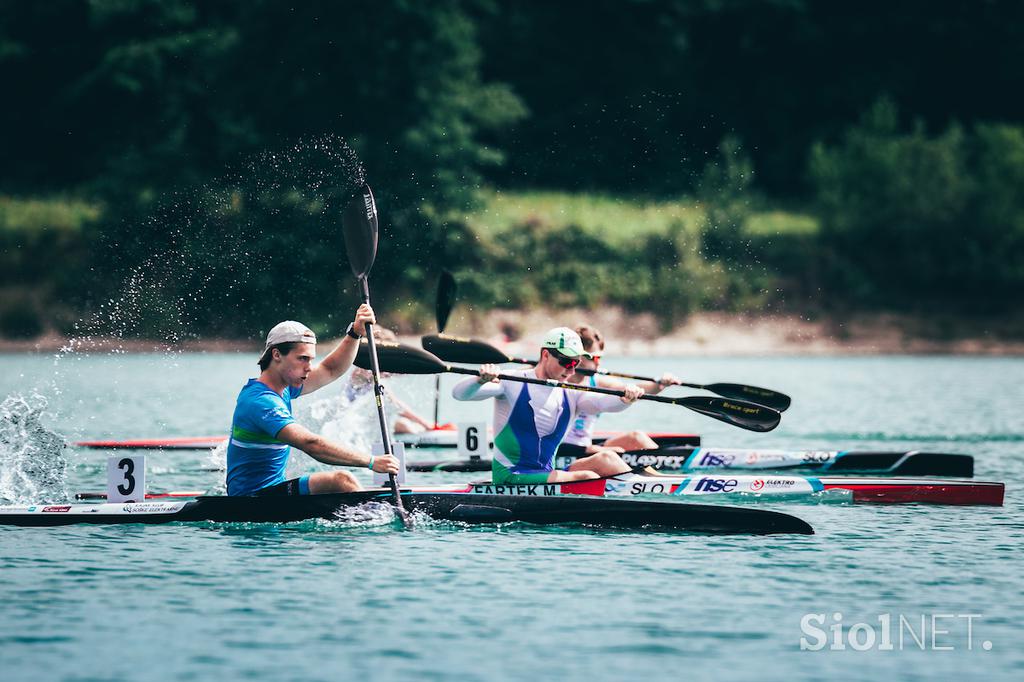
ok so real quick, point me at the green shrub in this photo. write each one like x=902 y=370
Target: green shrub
x=911 y=218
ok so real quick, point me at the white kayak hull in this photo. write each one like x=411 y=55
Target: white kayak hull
x=859 y=490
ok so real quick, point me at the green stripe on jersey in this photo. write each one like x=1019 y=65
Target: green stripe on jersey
x=254 y=437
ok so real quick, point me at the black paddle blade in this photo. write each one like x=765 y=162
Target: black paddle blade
x=359 y=224
x=755 y=394
x=446 y=290
x=749 y=416
x=469 y=351
x=398 y=358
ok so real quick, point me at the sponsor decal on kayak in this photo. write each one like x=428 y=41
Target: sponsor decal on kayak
x=819 y=456
x=641 y=487
x=711 y=458
x=716 y=485
x=58 y=508
x=539 y=489
x=152 y=507
x=757 y=459
x=656 y=461
x=763 y=485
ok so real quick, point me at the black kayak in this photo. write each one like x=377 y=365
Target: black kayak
x=463 y=507
x=686 y=459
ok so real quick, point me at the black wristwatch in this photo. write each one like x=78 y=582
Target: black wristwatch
x=351 y=331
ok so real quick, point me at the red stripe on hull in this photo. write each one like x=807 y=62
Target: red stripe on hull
x=591 y=487
x=155 y=443
x=895 y=493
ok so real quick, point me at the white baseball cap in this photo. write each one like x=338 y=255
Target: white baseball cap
x=289 y=331
x=565 y=341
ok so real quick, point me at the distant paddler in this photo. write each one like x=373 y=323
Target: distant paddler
x=530 y=421
x=263 y=428
x=579 y=440
x=360 y=384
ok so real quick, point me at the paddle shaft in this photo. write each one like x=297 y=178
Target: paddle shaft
x=359 y=227
x=378 y=390
x=401 y=359
x=635 y=377
x=551 y=383
x=772 y=399
x=471 y=351
x=621 y=375
x=446 y=289
x=437 y=399
x=601 y=372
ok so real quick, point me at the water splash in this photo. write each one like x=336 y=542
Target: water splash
x=198 y=260
x=351 y=417
x=33 y=461
x=218 y=457
x=371 y=513
x=324 y=170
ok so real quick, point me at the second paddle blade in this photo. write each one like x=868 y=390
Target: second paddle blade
x=469 y=351
x=398 y=358
x=755 y=394
x=736 y=412
x=446 y=290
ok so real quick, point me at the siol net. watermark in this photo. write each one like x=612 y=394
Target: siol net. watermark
x=889 y=632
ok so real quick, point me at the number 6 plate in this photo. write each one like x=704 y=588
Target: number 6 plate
x=473 y=439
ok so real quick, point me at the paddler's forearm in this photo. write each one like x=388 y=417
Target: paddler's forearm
x=319 y=448
x=595 y=403
x=323 y=450
x=470 y=388
x=651 y=387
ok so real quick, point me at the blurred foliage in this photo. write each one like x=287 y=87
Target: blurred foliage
x=176 y=167
x=911 y=218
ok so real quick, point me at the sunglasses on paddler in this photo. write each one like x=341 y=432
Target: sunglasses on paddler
x=564 y=361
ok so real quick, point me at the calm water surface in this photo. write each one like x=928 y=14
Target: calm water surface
x=361 y=598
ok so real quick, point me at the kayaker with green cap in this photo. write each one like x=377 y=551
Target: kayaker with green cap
x=263 y=428
x=530 y=421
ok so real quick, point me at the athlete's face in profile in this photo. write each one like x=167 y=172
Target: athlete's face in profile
x=295 y=367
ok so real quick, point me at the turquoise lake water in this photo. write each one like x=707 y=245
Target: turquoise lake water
x=363 y=599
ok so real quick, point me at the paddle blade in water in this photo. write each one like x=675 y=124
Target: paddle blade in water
x=469 y=351
x=359 y=224
x=755 y=394
x=739 y=413
x=446 y=290
x=398 y=358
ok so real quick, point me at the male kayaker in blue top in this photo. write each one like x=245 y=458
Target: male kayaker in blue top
x=263 y=427
x=530 y=421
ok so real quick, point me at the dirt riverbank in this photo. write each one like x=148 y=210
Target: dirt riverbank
x=700 y=334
